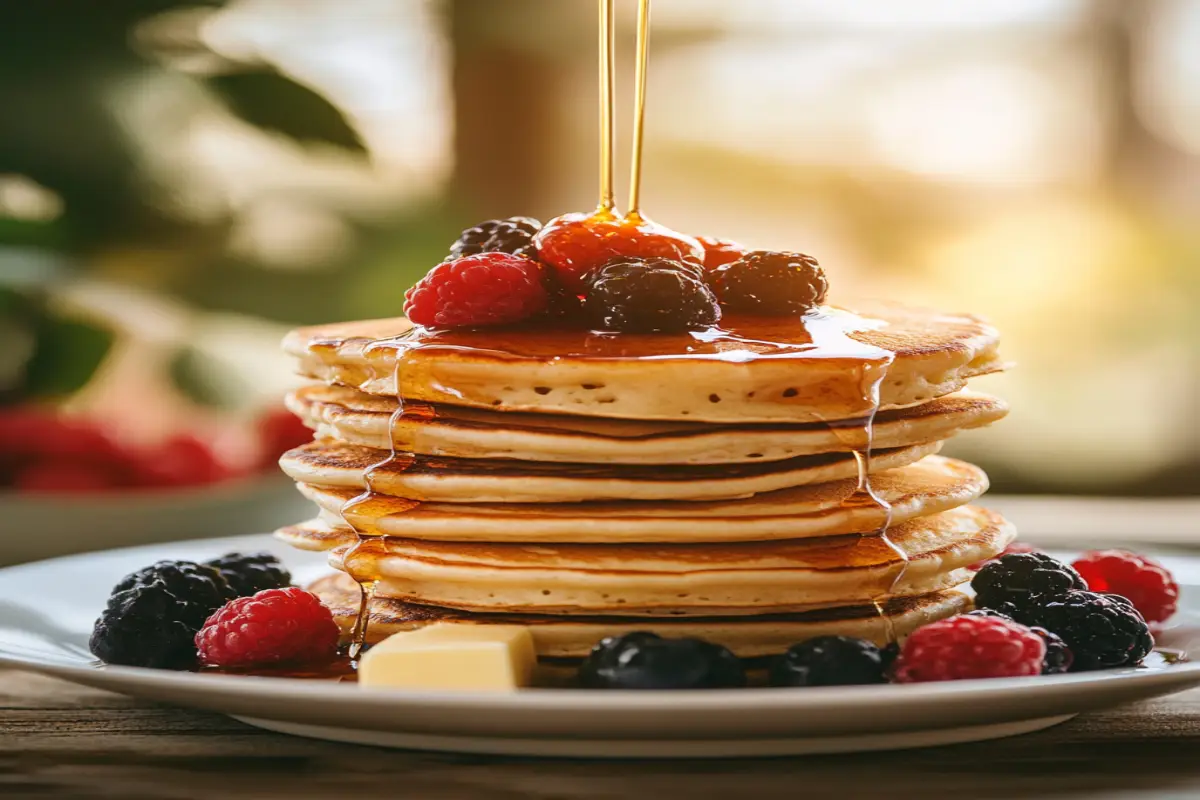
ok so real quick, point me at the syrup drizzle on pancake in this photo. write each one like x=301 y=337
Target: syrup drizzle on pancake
x=361 y=558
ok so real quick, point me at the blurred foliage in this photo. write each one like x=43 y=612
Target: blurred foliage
x=60 y=63
x=48 y=354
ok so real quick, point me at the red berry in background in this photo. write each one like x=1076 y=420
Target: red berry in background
x=967 y=647
x=182 y=460
x=27 y=431
x=1146 y=583
x=1015 y=547
x=60 y=476
x=483 y=289
x=576 y=243
x=280 y=430
x=272 y=627
x=718 y=252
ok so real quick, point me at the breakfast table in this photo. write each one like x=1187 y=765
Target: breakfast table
x=58 y=739
x=62 y=740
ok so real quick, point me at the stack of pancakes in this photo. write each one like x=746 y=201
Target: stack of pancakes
x=701 y=484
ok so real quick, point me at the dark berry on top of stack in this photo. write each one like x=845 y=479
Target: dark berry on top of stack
x=483 y=289
x=1146 y=583
x=649 y=295
x=969 y=647
x=647 y=661
x=770 y=283
x=1103 y=631
x=830 y=661
x=153 y=615
x=513 y=236
x=1024 y=580
x=1058 y=656
x=250 y=573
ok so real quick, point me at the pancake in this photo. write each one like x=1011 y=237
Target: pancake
x=930 y=486
x=574 y=637
x=358 y=418
x=462 y=480
x=818 y=368
x=917 y=557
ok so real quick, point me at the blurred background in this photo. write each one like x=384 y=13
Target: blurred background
x=180 y=182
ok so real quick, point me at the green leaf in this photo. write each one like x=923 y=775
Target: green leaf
x=66 y=353
x=205 y=379
x=275 y=102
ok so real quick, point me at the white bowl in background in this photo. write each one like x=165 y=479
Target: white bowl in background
x=34 y=526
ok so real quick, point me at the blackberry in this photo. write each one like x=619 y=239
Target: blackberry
x=830 y=661
x=1102 y=631
x=1058 y=658
x=1023 y=580
x=647 y=661
x=647 y=295
x=153 y=615
x=770 y=283
x=251 y=573
x=513 y=235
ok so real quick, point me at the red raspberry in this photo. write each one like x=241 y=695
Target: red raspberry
x=574 y=244
x=182 y=460
x=279 y=430
x=1146 y=583
x=718 y=252
x=483 y=289
x=1015 y=547
x=35 y=432
x=271 y=627
x=64 y=476
x=969 y=647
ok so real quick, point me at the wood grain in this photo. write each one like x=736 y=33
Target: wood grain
x=61 y=740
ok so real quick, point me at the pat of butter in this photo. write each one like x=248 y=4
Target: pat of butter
x=452 y=656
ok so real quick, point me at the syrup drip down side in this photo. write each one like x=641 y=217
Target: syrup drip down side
x=361 y=560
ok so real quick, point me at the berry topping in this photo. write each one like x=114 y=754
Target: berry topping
x=830 y=661
x=969 y=647
x=484 y=289
x=719 y=252
x=1058 y=656
x=153 y=615
x=1146 y=583
x=251 y=573
x=1015 y=547
x=1024 y=580
x=575 y=244
x=647 y=661
x=272 y=627
x=1102 y=630
x=649 y=295
x=769 y=283
x=513 y=236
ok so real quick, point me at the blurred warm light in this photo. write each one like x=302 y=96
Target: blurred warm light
x=23 y=199
x=980 y=122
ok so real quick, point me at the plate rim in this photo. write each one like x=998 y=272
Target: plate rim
x=567 y=700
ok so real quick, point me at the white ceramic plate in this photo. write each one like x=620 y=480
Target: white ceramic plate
x=47 y=610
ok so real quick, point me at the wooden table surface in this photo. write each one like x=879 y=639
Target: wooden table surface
x=61 y=740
